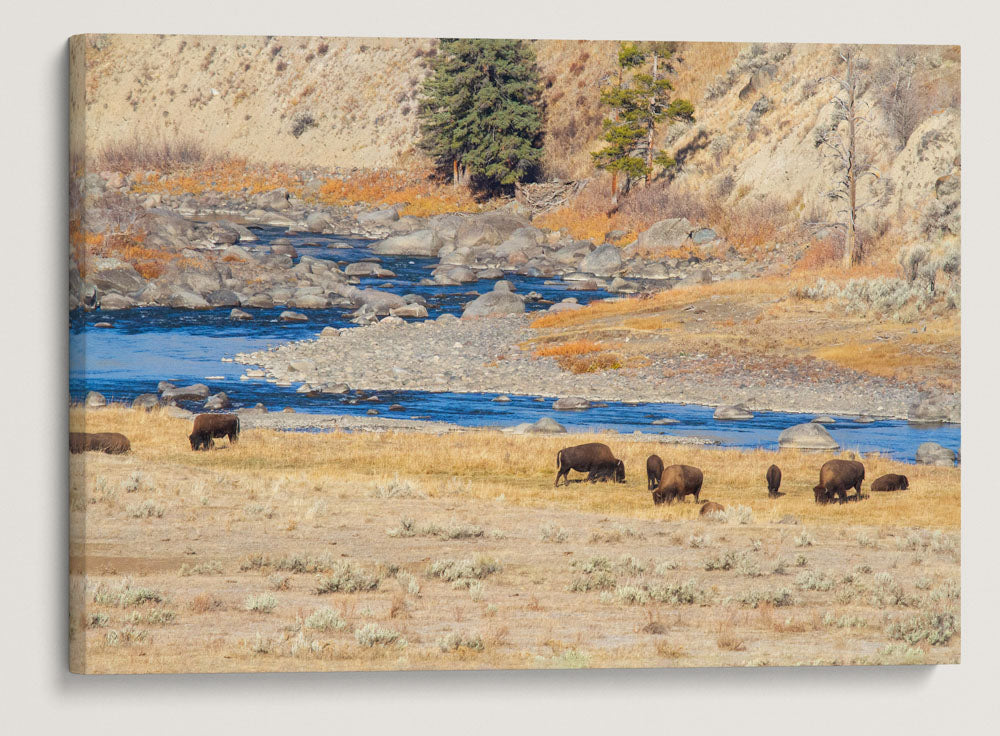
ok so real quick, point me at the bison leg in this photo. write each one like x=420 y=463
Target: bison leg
x=560 y=474
x=233 y=438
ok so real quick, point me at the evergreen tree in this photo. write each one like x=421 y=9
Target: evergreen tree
x=480 y=114
x=639 y=103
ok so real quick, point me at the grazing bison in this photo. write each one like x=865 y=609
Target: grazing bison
x=208 y=426
x=594 y=458
x=835 y=477
x=654 y=470
x=773 y=480
x=676 y=482
x=710 y=507
x=891 y=482
x=109 y=442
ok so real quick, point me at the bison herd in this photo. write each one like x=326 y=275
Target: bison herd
x=667 y=483
x=674 y=482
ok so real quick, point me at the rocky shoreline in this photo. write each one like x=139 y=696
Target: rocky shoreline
x=483 y=356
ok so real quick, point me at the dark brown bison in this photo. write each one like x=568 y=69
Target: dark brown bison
x=109 y=442
x=208 y=426
x=710 y=507
x=676 y=482
x=594 y=458
x=890 y=482
x=835 y=477
x=773 y=480
x=654 y=470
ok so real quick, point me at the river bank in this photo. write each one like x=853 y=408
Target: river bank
x=485 y=355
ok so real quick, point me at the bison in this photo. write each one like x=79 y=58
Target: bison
x=773 y=481
x=711 y=507
x=676 y=482
x=208 y=426
x=594 y=458
x=835 y=477
x=109 y=442
x=654 y=470
x=891 y=482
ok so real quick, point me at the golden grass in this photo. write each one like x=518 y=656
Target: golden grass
x=423 y=196
x=522 y=468
x=309 y=497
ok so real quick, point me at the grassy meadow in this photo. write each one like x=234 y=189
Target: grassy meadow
x=389 y=550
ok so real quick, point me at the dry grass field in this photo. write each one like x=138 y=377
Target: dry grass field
x=299 y=551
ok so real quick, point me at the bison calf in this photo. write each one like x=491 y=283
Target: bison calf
x=654 y=470
x=891 y=482
x=209 y=426
x=109 y=442
x=711 y=507
x=676 y=482
x=773 y=480
x=835 y=477
x=594 y=458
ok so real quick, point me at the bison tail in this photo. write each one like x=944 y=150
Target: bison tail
x=237 y=424
x=559 y=459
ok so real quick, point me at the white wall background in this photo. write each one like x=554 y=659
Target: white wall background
x=37 y=695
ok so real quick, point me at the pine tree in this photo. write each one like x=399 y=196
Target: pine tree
x=639 y=104
x=480 y=114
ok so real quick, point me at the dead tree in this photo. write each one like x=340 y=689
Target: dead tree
x=841 y=143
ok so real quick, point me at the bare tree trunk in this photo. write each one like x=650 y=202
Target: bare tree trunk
x=649 y=135
x=850 y=246
x=454 y=173
x=614 y=188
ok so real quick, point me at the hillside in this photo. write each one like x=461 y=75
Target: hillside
x=344 y=103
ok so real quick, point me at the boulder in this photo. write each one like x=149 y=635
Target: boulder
x=289 y=316
x=184 y=299
x=456 y=275
x=931 y=453
x=392 y=321
x=604 y=261
x=703 y=235
x=669 y=233
x=94 y=400
x=502 y=399
x=808 y=436
x=666 y=420
x=564 y=306
x=336 y=388
x=696 y=277
x=218 y=401
x=361 y=268
x=736 y=411
x=546 y=425
x=146 y=401
x=570 y=404
x=381 y=301
x=164 y=385
x=446 y=318
x=260 y=301
x=308 y=301
x=239 y=314
x=378 y=217
x=928 y=411
x=284 y=249
x=238 y=253
x=410 y=310
x=824 y=420
x=124 y=279
x=317 y=222
x=194 y=392
x=178 y=413
x=494 y=303
x=223 y=236
x=222 y=298
x=111 y=302
x=276 y=199
x=417 y=243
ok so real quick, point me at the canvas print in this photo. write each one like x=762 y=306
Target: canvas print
x=460 y=353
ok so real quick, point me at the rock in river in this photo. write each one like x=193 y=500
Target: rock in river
x=239 y=314
x=570 y=403
x=218 y=401
x=604 y=261
x=194 y=392
x=417 y=243
x=736 y=411
x=931 y=453
x=808 y=436
x=289 y=316
x=492 y=303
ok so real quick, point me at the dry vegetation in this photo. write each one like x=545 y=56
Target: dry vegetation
x=378 y=551
x=759 y=323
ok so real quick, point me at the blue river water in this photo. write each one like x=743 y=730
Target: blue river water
x=151 y=344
